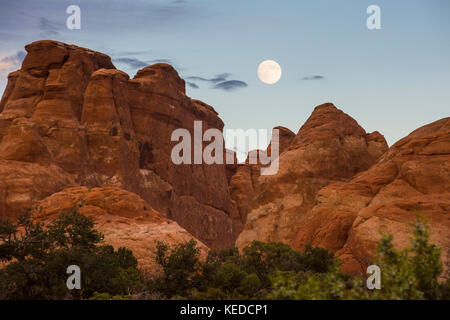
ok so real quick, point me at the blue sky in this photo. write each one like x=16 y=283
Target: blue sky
x=393 y=80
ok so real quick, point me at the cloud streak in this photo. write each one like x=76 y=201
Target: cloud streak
x=139 y=64
x=48 y=27
x=132 y=62
x=230 y=85
x=315 y=77
x=219 y=81
x=218 y=78
x=168 y=61
x=192 y=85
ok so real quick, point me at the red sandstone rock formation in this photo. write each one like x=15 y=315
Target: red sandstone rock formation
x=123 y=217
x=412 y=178
x=329 y=146
x=74 y=129
x=69 y=118
x=324 y=196
x=244 y=181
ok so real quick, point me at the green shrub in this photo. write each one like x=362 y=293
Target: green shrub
x=39 y=256
x=229 y=274
x=179 y=266
x=411 y=273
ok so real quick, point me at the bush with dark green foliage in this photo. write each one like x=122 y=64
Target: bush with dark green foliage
x=275 y=271
x=38 y=258
x=229 y=273
x=411 y=273
x=179 y=265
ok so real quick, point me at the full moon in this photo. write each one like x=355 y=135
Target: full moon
x=269 y=72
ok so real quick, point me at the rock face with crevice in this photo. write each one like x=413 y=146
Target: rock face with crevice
x=244 y=181
x=69 y=118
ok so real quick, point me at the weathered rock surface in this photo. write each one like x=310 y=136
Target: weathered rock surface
x=285 y=137
x=22 y=183
x=244 y=181
x=330 y=146
x=70 y=118
x=323 y=195
x=125 y=219
x=413 y=177
x=42 y=144
x=74 y=129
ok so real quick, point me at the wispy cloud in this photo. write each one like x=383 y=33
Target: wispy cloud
x=315 y=77
x=48 y=27
x=218 y=78
x=161 y=61
x=230 y=85
x=192 y=85
x=133 y=53
x=13 y=61
x=132 y=62
x=219 y=81
x=138 y=64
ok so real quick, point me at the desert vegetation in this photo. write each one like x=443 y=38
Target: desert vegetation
x=35 y=258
